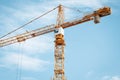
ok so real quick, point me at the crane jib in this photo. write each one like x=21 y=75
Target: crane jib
x=50 y=28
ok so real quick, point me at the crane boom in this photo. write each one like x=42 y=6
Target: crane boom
x=27 y=35
x=50 y=28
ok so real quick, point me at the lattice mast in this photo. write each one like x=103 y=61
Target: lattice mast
x=59 y=73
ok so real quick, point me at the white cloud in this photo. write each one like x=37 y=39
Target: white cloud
x=42 y=44
x=38 y=45
x=115 y=78
x=106 y=78
x=26 y=62
x=28 y=78
x=86 y=3
x=111 y=78
x=89 y=74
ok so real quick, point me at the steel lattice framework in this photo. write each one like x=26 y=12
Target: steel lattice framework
x=59 y=73
x=58 y=28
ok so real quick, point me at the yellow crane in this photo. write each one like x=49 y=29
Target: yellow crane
x=58 y=29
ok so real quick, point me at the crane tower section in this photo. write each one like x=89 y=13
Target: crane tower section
x=59 y=73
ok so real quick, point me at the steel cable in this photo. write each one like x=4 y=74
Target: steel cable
x=28 y=23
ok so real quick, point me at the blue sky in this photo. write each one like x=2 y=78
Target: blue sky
x=92 y=50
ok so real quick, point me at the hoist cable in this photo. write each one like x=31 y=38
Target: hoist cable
x=19 y=64
x=28 y=23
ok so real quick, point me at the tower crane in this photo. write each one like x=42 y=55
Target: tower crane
x=58 y=29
